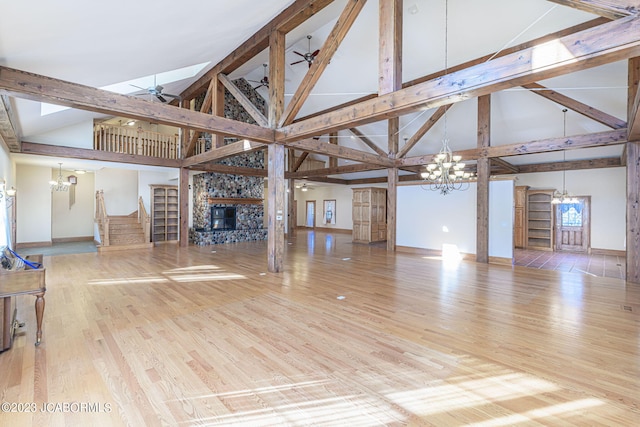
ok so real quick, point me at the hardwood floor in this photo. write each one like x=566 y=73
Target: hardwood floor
x=594 y=265
x=346 y=335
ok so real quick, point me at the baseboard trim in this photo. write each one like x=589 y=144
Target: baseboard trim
x=334 y=230
x=72 y=239
x=32 y=244
x=612 y=252
x=438 y=253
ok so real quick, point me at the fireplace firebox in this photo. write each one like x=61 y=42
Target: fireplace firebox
x=223 y=218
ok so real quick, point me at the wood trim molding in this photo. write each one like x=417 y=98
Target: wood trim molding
x=234 y=201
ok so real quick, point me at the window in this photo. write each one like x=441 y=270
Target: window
x=571 y=214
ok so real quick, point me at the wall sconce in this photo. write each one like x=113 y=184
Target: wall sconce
x=11 y=191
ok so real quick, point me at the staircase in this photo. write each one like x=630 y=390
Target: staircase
x=119 y=232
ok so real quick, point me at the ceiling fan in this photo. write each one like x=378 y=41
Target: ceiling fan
x=304 y=187
x=156 y=90
x=264 y=81
x=309 y=56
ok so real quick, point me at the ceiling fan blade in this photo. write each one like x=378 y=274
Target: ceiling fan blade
x=138 y=87
x=298 y=53
x=315 y=53
x=171 y=96
x=297 y=62
x=161 y=98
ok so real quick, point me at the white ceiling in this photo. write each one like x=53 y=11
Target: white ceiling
x=76 y=41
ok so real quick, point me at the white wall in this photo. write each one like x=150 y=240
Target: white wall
x=607 y=188
x=73 y=220
x=33 y=204
x=120 y=188
x=79 y=135
x=426 y=219
x=343 y=196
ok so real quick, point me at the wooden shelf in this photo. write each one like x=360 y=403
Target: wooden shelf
x=164 y=213
x=539 y=220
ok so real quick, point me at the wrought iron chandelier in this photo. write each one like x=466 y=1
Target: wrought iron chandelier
x=60 y=184
x=446 y=172
x=564 y=197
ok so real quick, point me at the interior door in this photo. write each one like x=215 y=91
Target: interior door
x=573 y=226
x=311 y=214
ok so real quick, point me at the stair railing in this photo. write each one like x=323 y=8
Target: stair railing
x=128 y=140
x=102 y=218
x=145 y=220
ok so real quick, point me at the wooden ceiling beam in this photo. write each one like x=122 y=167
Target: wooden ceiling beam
x=300 y=161
x=331 y=44
x=103 y=156
x=233 y=149
x=577 y=106
x=411 y=142
x=613 y=41
x=633 y=99
x=244 y=101
x=360 y=167
x=8 y=134
x=291 y=17
x=369 y=143
x=497 y=161
x=320 y=147
x=483 y=59
x=22 y=84
x=607 y=162
x=600 y=139
x=606 y=8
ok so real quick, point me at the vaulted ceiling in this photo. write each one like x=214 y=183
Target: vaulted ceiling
x=70 y=41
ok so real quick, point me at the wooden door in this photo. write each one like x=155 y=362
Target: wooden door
x=573 y=226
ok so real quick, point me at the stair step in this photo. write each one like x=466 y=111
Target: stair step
x=127 y=239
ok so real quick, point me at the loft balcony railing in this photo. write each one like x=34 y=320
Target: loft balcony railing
x=128 y=140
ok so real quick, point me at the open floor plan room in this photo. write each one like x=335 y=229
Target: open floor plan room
x=206 y=336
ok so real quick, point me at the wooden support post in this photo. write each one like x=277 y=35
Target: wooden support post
x=275 y=207
x=392 y=207
x=217 y=109
x=633 y=212
x=291 y=195
x=483 y=173
x=183 y=213
x=333 y=139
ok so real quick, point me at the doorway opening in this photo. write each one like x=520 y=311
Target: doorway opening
x=310 y=221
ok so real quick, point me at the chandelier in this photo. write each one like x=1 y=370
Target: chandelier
x=563 y=197
x=60 y=184
x=446 y=173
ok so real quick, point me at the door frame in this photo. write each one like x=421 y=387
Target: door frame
x=586 y=226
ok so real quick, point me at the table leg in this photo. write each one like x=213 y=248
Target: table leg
x=39 y=314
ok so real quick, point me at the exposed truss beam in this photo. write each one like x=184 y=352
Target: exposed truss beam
x=8 y=133
x=577 y=106
x=361 y=167
x=503 y=164
x=606 y=8
x=291 y=17
x=607 y=162
x=483 y=59
x=600 y=139
x=244 y=101
x=300 y=161
x=411 y=142
x=235 y=170
x=331 y=44
x=316 y=146
x=369 y=143
x=633 y=99
x=87 y=154
x=606 y=43
x=235 y=148
x=22 y=84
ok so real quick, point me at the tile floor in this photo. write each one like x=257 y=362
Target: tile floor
x=595 y=265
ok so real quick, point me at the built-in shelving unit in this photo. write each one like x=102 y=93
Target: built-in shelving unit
x=540 y=220
x=164 y=213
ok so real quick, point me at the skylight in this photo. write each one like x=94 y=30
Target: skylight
x=129 y=86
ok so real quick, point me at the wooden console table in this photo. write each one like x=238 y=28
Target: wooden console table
x=29 y=281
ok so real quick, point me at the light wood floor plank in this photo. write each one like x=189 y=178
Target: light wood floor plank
x=346 y=335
